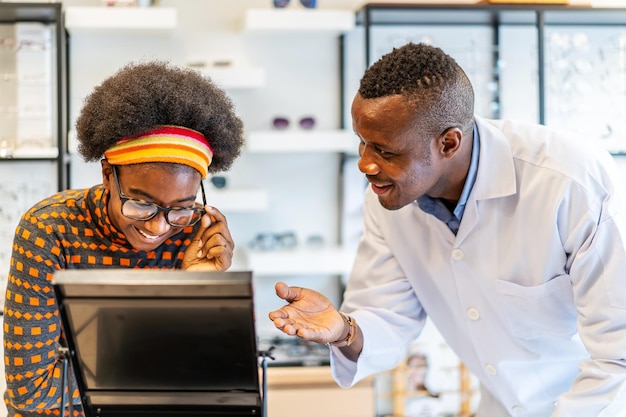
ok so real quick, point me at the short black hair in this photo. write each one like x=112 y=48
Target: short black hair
x=430 y=80
x=141 y=96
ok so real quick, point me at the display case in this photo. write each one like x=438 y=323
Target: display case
x=33 y=85
x=561 y=66
x=33 y=112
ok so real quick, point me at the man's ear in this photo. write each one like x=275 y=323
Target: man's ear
x=450 y=141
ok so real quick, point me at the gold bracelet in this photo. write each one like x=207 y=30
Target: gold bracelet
x=351 y=332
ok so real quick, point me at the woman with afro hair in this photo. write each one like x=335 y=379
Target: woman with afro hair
x=157 y=130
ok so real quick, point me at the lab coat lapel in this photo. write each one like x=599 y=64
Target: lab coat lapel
x=495 y=177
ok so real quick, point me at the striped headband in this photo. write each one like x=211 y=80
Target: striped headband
x=174 y=144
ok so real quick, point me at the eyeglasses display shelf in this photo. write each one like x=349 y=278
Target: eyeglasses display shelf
x=33 y=89
x=133 y=19
x=283 y=141
x=326 y=260
x=236 y=76
x=554 y=64
x=33 y=113
x=240 y=200
x=298 y=19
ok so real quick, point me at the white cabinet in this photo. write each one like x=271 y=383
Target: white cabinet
x=313 y=393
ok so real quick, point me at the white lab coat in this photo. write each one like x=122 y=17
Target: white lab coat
x=531 y=292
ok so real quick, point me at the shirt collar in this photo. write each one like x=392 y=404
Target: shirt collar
x=471 y=176
x=437 y=208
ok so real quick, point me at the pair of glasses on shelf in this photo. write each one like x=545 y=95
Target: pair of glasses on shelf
x=218 y=181
x=25 y=111
x=309 y=4
x=274 y=241
x=282 y=123
x=285 y=240
x=26 y=77
x=14 y=45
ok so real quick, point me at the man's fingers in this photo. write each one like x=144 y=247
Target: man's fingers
x=282 y=290
x=287 y=293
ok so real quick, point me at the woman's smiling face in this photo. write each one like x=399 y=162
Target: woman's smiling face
x=168 y=185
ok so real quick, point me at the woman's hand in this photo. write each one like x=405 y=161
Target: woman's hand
x=212 y=247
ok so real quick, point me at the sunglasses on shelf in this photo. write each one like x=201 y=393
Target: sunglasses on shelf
x=309 y=4
x=283 y=123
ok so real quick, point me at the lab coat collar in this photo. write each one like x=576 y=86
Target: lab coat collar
x=495 y=177
x=496 y=170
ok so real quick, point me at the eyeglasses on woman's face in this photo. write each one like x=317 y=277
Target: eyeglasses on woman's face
x=137 y=209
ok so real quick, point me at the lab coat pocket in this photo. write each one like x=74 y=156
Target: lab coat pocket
x=545 y=310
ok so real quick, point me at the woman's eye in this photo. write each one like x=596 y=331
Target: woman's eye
x=144 y=204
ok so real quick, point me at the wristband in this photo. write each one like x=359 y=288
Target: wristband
x=351 y=337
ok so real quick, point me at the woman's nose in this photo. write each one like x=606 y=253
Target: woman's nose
x=157 y=225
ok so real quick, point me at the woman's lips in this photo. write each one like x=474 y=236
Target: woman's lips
x=148 y=237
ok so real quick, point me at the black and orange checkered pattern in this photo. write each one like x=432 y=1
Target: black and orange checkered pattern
x=69 y=230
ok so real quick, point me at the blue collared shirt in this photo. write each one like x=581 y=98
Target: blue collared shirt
x=436 y=206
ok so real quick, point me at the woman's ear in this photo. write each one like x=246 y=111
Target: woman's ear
x=107 y=171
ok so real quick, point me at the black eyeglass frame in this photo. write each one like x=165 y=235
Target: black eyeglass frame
x=199 y=211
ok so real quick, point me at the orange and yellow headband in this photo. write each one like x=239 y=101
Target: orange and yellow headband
x=174 y=144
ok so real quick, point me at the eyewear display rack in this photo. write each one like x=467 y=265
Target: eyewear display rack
x=33 y=112
x=53 y=113
x=558 y=65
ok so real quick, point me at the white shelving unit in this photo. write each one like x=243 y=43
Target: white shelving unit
x=276 y=142
x=272 y=20
x=135 y=19
x=327 y=260
x=242 y=200
x=303 y=260
x=35 y=153
x=236 y=77
x=318 y=261
x=285 y=141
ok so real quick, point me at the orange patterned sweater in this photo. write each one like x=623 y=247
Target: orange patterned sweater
x=69 y=230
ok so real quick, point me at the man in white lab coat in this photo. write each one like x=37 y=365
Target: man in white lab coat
x=509 y=236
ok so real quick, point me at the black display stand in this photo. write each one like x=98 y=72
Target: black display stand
x=161 y=343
